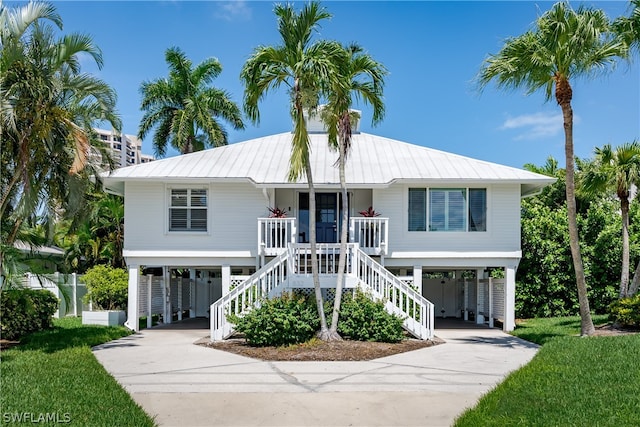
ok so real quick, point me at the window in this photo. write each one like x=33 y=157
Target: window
x=450 y=209
x=188 y=210
x=477 y=209
x=447 y=209
x=417 y=209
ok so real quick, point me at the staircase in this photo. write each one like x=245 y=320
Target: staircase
x=291 y=266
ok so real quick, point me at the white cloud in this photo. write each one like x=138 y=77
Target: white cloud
x=235 y=10
x=536 y=125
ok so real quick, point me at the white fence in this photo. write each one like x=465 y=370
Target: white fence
x=490 y=300
x=68 y=288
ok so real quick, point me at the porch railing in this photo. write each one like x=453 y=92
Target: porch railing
x=246 y=295
x=399 y=297
x=372 y=234
x=328 y=255
x=274 y=234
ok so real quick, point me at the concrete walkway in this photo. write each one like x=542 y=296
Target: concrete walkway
x=183 y=384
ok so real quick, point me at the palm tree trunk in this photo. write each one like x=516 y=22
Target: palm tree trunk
x=343 y=242
x=633 y=289
x=624 y=276
x=563 y=96
x=324 y=330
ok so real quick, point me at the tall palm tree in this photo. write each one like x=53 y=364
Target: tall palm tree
x=48 y=109
x=184 y=109
x=616 y=171
x=564 y=45
x=359 y=77
x=303 y=67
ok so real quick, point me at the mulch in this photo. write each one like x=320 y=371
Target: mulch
x=316 y=350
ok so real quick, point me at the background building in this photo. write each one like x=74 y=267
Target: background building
x=126 y=149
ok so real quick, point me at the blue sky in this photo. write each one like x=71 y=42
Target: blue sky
x=433 y=50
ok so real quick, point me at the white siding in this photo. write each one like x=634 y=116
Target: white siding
x=503 y=223
x=233 y=210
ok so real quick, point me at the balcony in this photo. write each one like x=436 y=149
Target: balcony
x=371 y=233
x=274 y=235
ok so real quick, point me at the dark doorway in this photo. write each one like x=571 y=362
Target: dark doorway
x=328 y=212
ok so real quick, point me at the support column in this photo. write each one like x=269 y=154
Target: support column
x=479 y=302
x=417 y=278
x=226 y=279
x=193 y=297
x=167 y=294
x=149 y=301
x=132 y=303
x=509 y=299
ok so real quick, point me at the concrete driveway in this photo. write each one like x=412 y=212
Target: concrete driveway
x=183 y=384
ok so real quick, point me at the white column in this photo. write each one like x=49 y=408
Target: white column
x=509 y=299
x=490 y=291
x=167 y=294
x=132 y=303
x=417 y=278
x=465 y=302
x=226 y=279
x=149 y=300
x=479 y=276
x=192 y=292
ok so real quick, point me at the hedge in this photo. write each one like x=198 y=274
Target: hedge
x=23 y=311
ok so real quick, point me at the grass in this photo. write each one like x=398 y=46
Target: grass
x=54 y=376
x=542 y=330
x=572 y=381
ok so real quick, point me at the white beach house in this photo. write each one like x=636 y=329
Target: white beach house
x=200 y=222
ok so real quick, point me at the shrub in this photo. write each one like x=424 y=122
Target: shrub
x=107 y=287
x=626 y=312
x=288 y=319
x=363 y=319
x=23 y=311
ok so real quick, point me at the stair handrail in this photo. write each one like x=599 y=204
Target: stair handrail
x=417 y=310
x=259 y=284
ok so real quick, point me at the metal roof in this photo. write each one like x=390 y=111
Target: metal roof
x=374 y=161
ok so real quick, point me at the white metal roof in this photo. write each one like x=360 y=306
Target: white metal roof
x=374 y=161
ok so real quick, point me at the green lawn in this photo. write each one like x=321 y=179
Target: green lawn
x=54 y=376
x=572 y=381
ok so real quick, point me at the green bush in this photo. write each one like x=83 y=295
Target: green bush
x=23 y=311
x=288 y=319
x=626 y=312
x=363 y=319
x=107 y=287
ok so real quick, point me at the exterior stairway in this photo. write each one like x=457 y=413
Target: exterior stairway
x=290 y=270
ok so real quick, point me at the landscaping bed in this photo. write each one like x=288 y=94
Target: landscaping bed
x=316 y=350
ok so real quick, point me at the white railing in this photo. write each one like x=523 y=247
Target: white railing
x=328 y=255
x=399 y=297
x=371 y=233
x=274 y=234
x=248 y=294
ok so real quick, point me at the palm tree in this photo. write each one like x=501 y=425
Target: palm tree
x=566 y=44
x=184 y=109
x=359 y=77
x=616 y=171
x=629 y=27
x=48 y=109
x=303 y=67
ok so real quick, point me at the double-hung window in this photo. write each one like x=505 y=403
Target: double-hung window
x=188 y=210
x=448 y=209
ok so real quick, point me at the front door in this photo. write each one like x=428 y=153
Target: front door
x=328 y=211
x=326 y=217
